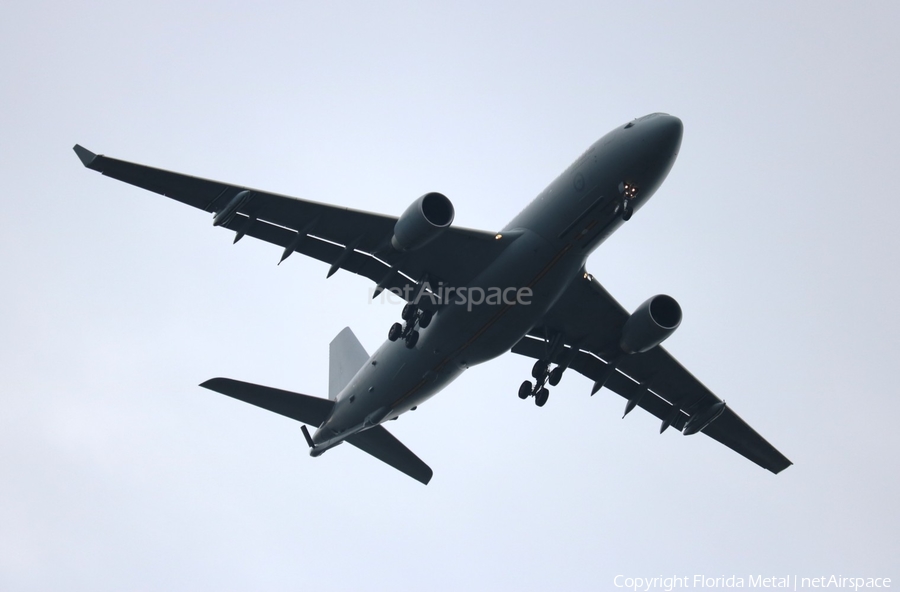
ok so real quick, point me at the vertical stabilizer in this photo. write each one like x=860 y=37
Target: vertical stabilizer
x=346 y=356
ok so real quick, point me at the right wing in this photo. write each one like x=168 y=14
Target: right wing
x=590 y=322
x=345 y=238
x=381 y=444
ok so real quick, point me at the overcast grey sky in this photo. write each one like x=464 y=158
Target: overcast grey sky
x=776 y=231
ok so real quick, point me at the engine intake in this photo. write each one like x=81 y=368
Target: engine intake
x=650 y=324
x=422 y=222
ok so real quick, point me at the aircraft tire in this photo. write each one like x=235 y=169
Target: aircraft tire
x=412 y=339
x=555 y=376
x=525 y=389
x=408 y=312
x=627 y=211
x=395 y=332
x=539 y=369
x=540 y=399
x=425 y=319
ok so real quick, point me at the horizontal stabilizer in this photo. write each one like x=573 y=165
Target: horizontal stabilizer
x=382 y=445
x=303 y=408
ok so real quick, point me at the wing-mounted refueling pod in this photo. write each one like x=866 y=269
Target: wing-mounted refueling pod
x=422 y=222
x=699 y=421
x=225 y=215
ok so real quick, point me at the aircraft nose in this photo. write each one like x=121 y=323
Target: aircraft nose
x=668 y=130
x=659 y=138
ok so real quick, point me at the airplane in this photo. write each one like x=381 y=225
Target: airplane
x=473 y=296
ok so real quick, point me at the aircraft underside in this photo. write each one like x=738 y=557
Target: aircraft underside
x=474 y=295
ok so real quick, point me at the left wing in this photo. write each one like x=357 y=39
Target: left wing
x=589 y=321
x=345 y=238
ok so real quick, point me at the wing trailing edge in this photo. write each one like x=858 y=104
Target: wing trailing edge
x=728 y=428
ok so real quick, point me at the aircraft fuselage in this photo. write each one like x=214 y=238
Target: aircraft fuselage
x=547 y=245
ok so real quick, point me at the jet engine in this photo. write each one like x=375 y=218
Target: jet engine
x=650 y=324
x=422 y=222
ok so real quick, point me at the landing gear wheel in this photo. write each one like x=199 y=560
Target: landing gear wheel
x=412 y=339
x=525 y=389
x=627 y=210
x=425 y=318
x=408 y=312
x=539 y=369
x=395 y=332
x=540 y=398
x=555 y=376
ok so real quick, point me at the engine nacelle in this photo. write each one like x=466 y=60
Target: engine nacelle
x=422 y=222
x=650 y=324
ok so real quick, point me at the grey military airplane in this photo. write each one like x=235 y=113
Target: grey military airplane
x=473 y=295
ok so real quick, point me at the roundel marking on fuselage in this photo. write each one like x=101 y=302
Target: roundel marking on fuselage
x=578 y=182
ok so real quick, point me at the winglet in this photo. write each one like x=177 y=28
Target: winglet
x=87 y=157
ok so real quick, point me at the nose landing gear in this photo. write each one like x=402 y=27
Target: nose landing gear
x=628 y=191
x=414 y=318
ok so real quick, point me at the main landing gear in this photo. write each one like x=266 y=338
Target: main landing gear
x=542 y=375
x=541 y=372
x=414 y=318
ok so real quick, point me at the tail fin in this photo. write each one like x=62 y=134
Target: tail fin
x=346 y=356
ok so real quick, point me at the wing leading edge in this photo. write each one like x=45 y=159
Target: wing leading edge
x=590 y=322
